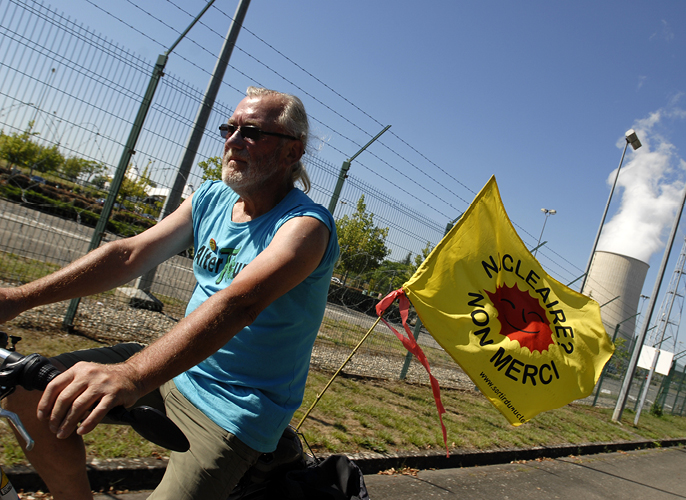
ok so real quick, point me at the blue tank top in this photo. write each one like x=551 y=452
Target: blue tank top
x=252 y=385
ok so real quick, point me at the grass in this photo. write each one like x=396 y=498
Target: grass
x=342 y=333
x=13 y=266
x=407 y=420
x=362 y=415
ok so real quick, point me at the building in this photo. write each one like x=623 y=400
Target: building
x=615 y=281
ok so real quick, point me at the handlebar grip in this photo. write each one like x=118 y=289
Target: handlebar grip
x=38 y=372
x=32 y=372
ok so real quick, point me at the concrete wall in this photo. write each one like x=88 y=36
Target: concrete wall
x=615 y=282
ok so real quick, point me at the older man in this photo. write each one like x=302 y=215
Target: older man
x=232 y=372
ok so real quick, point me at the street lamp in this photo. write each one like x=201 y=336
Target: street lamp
x=547 y=214
x=631 y=138
x=640 y=310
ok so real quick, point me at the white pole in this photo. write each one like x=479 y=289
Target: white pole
x=628 y=376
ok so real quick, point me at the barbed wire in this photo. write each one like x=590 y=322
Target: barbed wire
x=371 y=170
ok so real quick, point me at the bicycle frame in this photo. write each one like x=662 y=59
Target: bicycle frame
x=7 y=491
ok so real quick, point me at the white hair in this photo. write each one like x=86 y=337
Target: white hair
x=293 y=119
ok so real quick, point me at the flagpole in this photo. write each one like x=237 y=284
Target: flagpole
x=319 y=396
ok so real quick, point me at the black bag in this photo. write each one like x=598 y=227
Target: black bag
x=336 y=478
x=289 y=474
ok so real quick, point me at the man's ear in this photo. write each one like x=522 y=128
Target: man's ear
x=294 y=151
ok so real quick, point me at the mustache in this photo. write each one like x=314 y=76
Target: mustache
x=235 y=155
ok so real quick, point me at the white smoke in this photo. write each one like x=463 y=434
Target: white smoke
x=651 y=184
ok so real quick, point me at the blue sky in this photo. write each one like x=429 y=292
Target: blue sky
x=537 y=93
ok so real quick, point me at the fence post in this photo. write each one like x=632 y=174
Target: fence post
x=640 y=391
x=145 y=282
x=344 y=173
x=118 y=179
x=681 y=411
x=602 y=374
x=129 y=150
x=665 y=387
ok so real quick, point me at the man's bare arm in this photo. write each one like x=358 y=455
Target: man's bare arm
x=104 y=268
x=295 y=252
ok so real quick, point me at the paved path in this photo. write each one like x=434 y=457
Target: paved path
x=654 y=474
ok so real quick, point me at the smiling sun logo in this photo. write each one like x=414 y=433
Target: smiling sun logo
x=522 y=318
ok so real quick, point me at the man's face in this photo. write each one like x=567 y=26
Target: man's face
x=248 y=163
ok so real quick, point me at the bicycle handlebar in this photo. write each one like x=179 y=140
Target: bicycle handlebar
x=34 y=372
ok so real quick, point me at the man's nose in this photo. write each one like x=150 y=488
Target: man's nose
x=234 y=141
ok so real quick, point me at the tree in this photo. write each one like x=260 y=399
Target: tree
x=19 y=149
x=363 y=245
x=74 y=167
x=136 y=187
x=211 y=168
x=93 y=168
x=408 y=258
x=99 y=181
x=389 y=276
x=48 y=159
x=421 y=257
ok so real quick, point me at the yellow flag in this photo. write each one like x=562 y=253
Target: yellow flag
x=529 y=343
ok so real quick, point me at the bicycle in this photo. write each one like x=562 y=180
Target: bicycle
x=288 y=472
x=34 y=372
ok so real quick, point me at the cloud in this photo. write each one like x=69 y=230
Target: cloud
x=651 y=184
x=641 y=80
x=664 y=33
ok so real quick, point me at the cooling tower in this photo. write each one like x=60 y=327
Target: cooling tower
x=615 y=282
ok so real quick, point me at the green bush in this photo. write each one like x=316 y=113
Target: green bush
x=68 y=205
x=656 y=410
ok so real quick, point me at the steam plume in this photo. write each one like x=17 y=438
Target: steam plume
x=651 y=185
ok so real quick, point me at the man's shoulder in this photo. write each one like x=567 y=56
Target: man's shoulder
x=299 y=203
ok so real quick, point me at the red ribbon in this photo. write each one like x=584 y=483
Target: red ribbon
x=411 y=345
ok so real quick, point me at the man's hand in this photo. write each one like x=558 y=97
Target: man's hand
x=85 y=393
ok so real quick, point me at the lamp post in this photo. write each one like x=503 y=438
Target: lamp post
x=640 y=310
x=547 y=214
x=630 y=138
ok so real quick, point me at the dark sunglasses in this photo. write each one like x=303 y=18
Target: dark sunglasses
x=248 y=132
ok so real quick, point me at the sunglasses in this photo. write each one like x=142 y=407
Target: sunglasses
x=226 y=130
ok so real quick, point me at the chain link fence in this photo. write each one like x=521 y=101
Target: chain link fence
x=665 y=395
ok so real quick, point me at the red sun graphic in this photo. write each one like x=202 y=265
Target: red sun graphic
x=522 y=318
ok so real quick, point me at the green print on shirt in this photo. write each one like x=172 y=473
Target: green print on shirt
x=232 y=267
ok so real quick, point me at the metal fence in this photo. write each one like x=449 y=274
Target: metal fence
x=65 y=89
x=70 y=95
x=666 y=394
